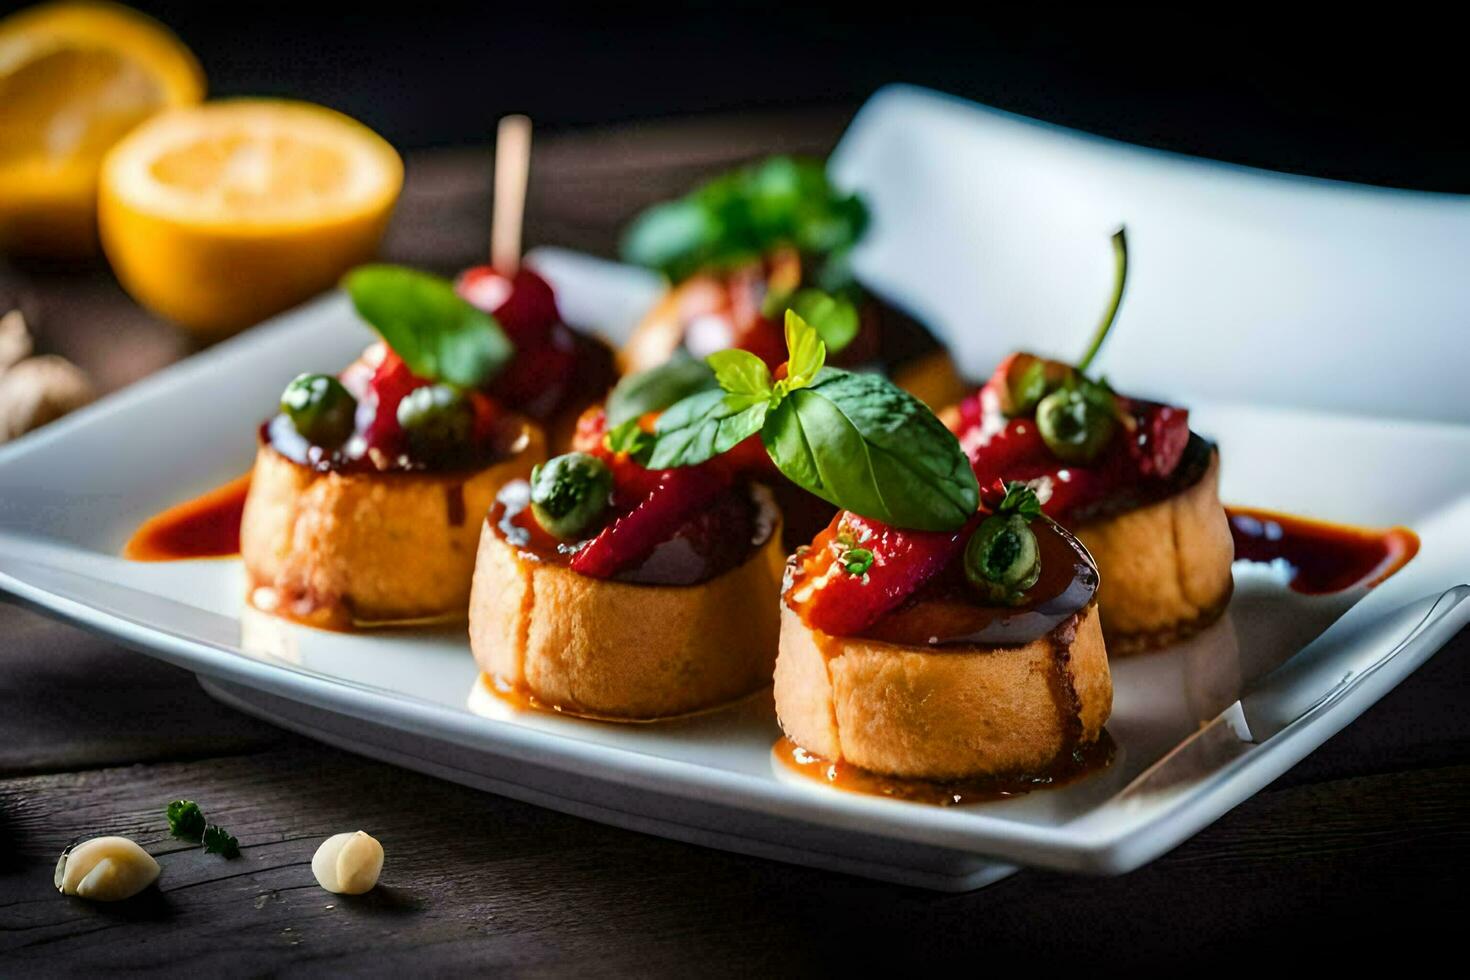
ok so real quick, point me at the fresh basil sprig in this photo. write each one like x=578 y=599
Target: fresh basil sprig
x=741 y=216
x=439 y=335
x=855 y=440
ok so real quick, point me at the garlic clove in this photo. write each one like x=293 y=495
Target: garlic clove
x=105 y=869
x=348 y=864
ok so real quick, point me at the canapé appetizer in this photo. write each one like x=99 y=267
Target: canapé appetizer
x=746 y=246
x=368 y=488
x=638 y=577
x=607 y=589
x=1138 y=488
x=945 y=655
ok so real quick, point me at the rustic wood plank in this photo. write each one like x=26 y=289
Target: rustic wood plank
x=475 y=880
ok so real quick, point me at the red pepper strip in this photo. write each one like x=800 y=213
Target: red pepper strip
x=679 y=496
x=839 y=603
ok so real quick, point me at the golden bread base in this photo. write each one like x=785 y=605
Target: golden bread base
x=1164 y=567
x=958 y=713
x=619 y=651
x=379 y=547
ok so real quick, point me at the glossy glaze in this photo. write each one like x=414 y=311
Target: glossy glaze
x=720 y=538
x=946 y=611
x=1074 y=765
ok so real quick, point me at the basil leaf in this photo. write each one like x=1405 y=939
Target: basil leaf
x=865 y=446
x=805 y=352
x=657 y=388
x=704 y=425
x=787 y=445
x=741 y=373
x=835 y=320
x=439 y=335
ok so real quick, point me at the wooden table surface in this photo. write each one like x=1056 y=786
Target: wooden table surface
x=1365 y=841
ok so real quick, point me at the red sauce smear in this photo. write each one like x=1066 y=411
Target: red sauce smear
x=206 y=527
x=1082 y=761
x=1324 y=557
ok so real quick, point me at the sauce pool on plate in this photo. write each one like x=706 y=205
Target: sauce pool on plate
x=207 y=526
x=1324 y=557
x=1081 y=761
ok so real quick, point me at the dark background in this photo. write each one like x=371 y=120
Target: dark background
x=1355 y=97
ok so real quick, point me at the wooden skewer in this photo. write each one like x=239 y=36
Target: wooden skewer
x=512 y=166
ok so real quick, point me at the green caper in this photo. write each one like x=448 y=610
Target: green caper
x=437 y=420
x=569 y=492
x=1026 y=389
x=320 y=408
x=1002 y=559
x=1074 y=427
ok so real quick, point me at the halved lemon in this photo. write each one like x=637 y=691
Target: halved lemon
x=219 y=215
x=74 y=78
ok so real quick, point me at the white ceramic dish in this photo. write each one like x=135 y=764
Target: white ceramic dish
x=70 y=495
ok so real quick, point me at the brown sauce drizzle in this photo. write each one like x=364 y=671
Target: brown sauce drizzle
x=1078 y=762
x=1324 y=557
x=505 y=439
x=519 y=698
x=1063 y=688
x=454 y=504
x=208 y=526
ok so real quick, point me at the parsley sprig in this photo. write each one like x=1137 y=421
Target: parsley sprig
x=186 y=822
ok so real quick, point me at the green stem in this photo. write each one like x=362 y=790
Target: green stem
x=1120 y=279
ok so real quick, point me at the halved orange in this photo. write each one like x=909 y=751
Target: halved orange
x=219 y=215
x=74 y=78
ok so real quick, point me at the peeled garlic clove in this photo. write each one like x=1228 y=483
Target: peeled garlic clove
x=348 y=864
x=15 y=340
x=105 y=869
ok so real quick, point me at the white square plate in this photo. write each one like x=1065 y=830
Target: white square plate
x=71 y=494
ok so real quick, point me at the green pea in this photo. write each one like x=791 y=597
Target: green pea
x=320 y=408
x=1074 y=427
x=1002 y=559
x=569 y=492
x=437 y=420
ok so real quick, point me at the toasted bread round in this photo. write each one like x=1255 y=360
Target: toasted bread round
x=366 y=548
x=1165 y=567
x=614 y=650
x=943 y=714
